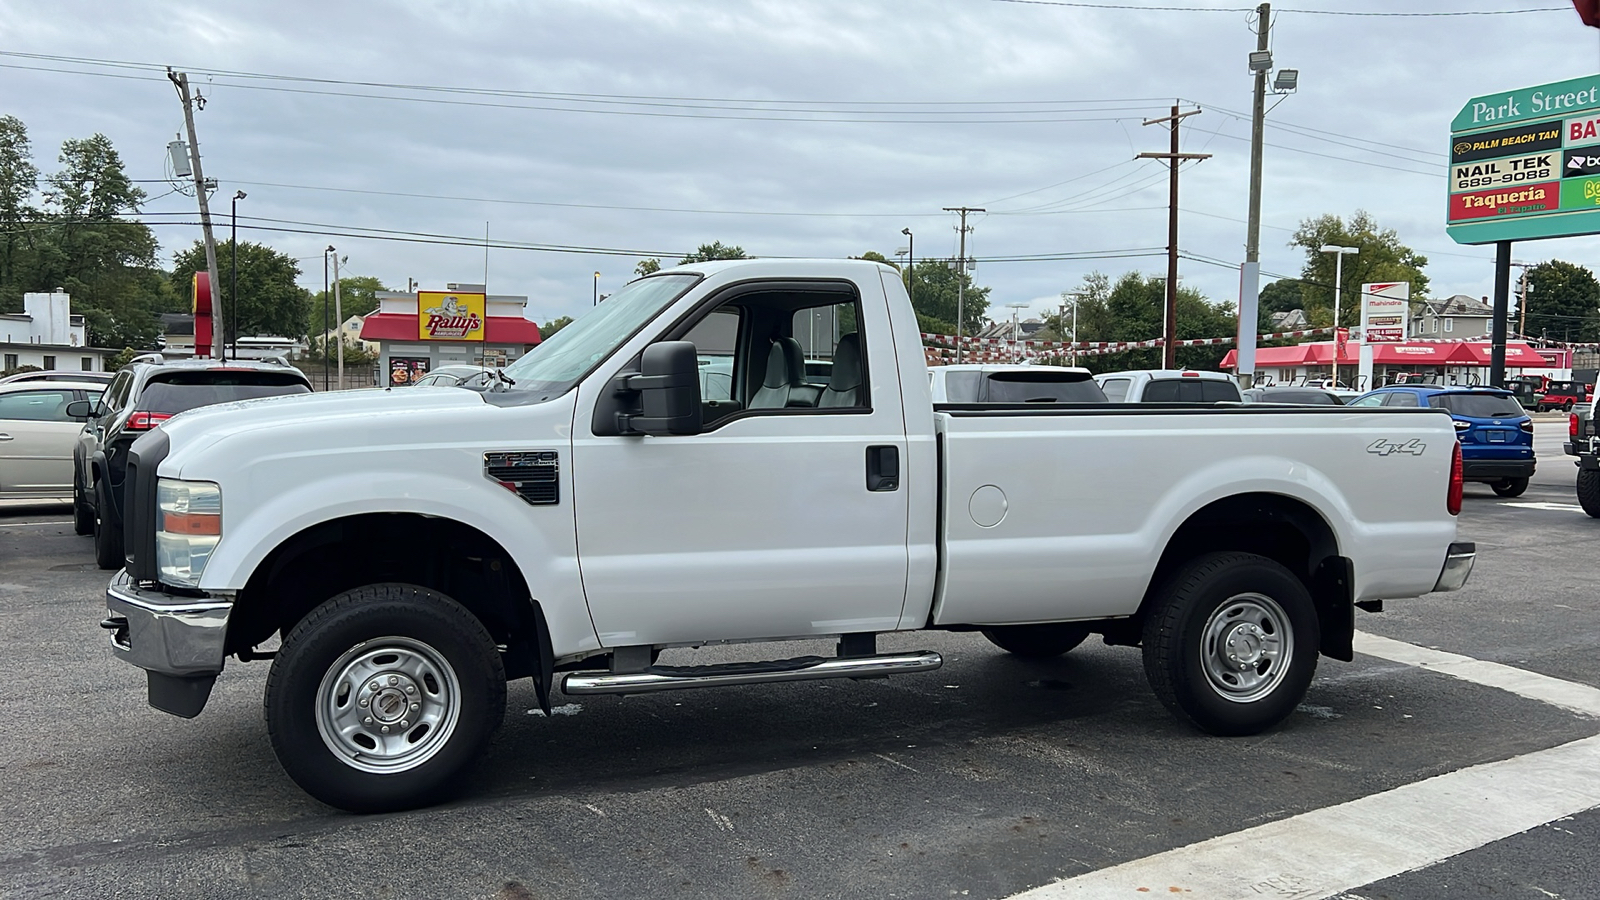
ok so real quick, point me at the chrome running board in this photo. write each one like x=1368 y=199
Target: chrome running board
x=806 y=668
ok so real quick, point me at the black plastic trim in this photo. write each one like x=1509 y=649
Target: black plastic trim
x=139 y=504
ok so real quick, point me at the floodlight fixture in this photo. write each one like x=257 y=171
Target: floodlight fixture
x=1260 y=60
x=1286 y=81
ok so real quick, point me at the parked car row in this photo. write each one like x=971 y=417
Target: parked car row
x=65 y=435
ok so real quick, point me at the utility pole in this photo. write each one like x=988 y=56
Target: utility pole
x=338 y=320
x=961 y=271
x=1250 y=275
x=181 y=80
x=1173 y=157
x=1522 y=300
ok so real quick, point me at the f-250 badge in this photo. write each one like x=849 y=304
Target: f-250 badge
x=1384 y=448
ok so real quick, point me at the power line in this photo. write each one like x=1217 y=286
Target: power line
x=1307 y=12
x=1058 y=111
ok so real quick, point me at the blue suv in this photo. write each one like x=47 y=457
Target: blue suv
x=1496 y=434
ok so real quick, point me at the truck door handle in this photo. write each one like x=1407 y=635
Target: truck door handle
x=5 y=437
x=883 y=468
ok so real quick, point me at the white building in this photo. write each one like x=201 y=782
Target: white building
x=46 y=334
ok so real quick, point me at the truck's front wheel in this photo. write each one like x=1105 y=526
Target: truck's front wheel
x=1231 y=643
x=1037 y=641
x=383 y=696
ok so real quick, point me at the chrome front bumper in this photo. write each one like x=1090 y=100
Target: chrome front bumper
x=177 y=640
x=1458 y=562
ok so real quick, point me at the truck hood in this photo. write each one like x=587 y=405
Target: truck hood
x=194 y=431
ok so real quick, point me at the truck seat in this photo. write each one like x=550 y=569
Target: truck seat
x=785 y=366
x=844 y=388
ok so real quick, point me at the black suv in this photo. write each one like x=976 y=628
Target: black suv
x=146 y=392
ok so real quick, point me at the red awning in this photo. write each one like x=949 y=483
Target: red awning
x=1518 y=355
x=403 y=327
x=1411 y=353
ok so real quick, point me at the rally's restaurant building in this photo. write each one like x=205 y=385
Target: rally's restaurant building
x=459 y=326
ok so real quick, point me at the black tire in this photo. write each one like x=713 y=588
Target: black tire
x=107 y=536
x=417 y=645
x=1589 y=492
x=1566 y=406
x=1247 y=603
x=1037 y=641
x=82 y=515
x=1510 y=487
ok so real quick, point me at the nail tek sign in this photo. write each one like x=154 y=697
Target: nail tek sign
x=1526 y=164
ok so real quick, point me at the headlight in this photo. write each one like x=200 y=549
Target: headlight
x=188 y=527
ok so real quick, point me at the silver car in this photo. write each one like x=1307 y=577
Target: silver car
x=37 y=436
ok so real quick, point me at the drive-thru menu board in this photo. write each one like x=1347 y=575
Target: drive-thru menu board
x=1526 y=164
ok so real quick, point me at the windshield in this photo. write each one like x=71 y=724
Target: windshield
x=559 y=363
x=1478 y=406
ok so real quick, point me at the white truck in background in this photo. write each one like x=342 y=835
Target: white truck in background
x=414 y=550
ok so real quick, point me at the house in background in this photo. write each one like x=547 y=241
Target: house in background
x=1291 y=320
x=1457 y=317
x=46 y=334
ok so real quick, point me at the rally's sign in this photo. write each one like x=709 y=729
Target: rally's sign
x=1526 y=164
x=450 y=316
x=1385 y=312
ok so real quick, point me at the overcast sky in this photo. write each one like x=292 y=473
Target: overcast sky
x=793 y=128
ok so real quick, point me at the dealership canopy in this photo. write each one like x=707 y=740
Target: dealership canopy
x=1525 y=164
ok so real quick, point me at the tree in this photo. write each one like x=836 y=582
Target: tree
x=269 y=302
x=1563 y=302
x=711 y=251
x=647 y=267
x=875 y=256
x=105 y=262
x=358 y=296
x=1380 y=257
x=554 y=325
x=1132 y=309
x=19 y=178
x=935 y=298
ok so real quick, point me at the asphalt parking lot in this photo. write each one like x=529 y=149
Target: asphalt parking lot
x=991 y=777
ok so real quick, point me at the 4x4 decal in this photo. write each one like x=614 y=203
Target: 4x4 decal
x=1381 y=447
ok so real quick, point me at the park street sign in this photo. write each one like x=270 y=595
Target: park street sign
x=1525 y=164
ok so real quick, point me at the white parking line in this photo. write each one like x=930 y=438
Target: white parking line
x=1325 y=852
x=28 y=524
x=1547 y=507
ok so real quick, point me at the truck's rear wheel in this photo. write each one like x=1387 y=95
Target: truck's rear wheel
x=1231 y=643
x=1037 y=641
x=383 y=696
x=1589 y=491
x=1510 y=487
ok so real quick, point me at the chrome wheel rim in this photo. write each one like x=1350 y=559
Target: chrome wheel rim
x=1246 y=646
x=388 y=705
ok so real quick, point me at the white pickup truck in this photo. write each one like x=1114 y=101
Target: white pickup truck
x=414 y=549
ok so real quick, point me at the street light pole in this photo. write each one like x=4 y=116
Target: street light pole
x=325 y=328
x=911 y=263
x=1016 y=328
x=1338 y=286
x=233 y=289
x=596 y=290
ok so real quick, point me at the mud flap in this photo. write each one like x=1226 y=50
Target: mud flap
x=1331 y=585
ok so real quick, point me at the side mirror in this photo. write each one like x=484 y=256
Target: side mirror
x=669 y=391
x=80 y=409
